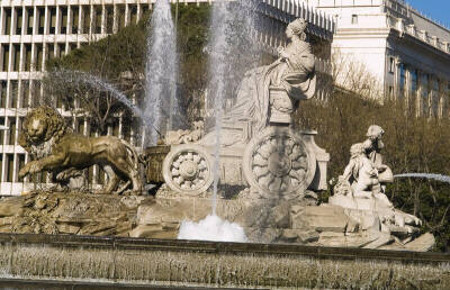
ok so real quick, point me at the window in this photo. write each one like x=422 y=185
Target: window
x=27 y=57
x=21 y=164
x=81 y=126
x=19 y=19
x=121 y=17
x=354 y=19
x=64 y=17
x=414 y=81
x=5 y=57
x=52 y=17
x=2 y=132
x=98 y=19
x=86 y=20
x=25 y=94
x=1 y=162
x=30 y=21
x=41 y=20
x=391 y=65
x=50 y=53
x=35 y=88
x=75 y=19
x=61 y=50
x=7 y=24
x=145 y=10
x=3 y=90
x=402 y=80
x=109 y=19
x=425 y=91
x=390 y=92
x=16 y=57
x=13 y=94
x=435 y=97
x=9 y=167
x=133 y=14
x=72 y=46
x=39 y=54
x=12 y=131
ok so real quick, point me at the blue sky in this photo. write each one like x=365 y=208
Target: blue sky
x=435 y=9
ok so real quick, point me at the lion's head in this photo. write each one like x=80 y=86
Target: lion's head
x=40 y=125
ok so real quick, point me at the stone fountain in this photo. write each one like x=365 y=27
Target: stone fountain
x=275 y=169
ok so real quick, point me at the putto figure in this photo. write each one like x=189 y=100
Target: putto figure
x=57 y=150
x=366 y=173
x=263 y=89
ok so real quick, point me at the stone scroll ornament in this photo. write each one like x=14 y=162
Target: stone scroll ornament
x=59 y=151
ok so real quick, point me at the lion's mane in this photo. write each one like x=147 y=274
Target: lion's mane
x=55 y=125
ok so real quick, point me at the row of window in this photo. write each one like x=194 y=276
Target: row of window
x=19 y=96
x=68 y=19
x=429 y=93
x=32 y=55
x=8 y=162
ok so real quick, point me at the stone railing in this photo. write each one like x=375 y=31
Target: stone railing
x=423 y=35
x=301 y=9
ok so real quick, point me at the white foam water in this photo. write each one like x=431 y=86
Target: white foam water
x=212 y=228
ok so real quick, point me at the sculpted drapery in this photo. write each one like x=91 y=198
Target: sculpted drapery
x=294 y=71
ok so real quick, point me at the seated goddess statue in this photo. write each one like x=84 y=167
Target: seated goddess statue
x=293 y=72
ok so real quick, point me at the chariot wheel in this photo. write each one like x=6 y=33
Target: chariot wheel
x=188 y=169
x=278 y=164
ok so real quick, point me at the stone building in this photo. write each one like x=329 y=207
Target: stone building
x=407 y=53
x=33 y=31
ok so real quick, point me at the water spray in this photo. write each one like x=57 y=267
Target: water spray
x=438 y=177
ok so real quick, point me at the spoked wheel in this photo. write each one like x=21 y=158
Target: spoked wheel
x=278 y=164
x=188 y=169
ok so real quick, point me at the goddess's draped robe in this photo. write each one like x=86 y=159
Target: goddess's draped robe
x=294 y=72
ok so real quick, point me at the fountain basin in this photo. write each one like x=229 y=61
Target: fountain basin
x=156 y=262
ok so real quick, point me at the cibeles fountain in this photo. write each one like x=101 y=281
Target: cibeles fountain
x=257 y=182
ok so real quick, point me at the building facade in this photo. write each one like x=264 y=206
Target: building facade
x=33 y=31
x=407 y=54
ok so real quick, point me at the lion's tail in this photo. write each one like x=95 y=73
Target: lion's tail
x=133 y=156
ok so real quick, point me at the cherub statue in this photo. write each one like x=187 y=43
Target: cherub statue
x=372 y=148
x=361 y=175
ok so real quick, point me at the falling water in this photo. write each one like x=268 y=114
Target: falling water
x=438 y=177
x=72 y=77
x=161 y=72
x=232 y=49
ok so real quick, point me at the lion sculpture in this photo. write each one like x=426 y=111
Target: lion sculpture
x=56 y=149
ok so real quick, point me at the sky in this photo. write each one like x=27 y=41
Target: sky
x=435 y=9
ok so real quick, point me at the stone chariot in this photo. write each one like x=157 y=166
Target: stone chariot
x=276 y=162
x=259 y=147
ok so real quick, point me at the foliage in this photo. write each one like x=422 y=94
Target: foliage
x=412 y=145
x=109 y=58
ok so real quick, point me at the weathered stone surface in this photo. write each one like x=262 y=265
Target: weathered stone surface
x=68 y=213
x=165 y=264
x=424 y=243
x=68 y=229
x=324 y=218
x=11 y=207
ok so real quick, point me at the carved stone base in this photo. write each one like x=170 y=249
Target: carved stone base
x=281 y=106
